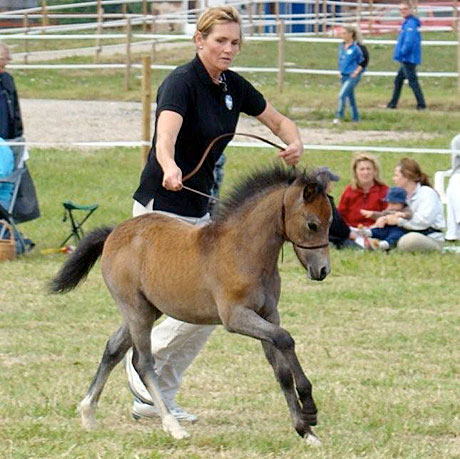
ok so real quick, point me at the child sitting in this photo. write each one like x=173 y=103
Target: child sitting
x=386 y=236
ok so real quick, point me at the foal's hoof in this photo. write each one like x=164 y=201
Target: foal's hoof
x=312 y=440
x=173 y=428
x=88 y=421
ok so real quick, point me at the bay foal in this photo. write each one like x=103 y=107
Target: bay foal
x=224 y=272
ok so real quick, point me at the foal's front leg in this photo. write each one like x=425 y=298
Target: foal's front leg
x=279 y=350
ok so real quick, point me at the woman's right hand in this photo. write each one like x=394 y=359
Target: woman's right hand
x=366 y=213
x=172 y=178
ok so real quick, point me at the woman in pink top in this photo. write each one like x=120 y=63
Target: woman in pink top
x=366 y=191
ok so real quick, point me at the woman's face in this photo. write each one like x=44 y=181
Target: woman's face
x=346 y=35
x=365 y=173
x=220 y=47
x=399 y=179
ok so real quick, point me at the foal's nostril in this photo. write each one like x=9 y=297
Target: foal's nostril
x=323 y=273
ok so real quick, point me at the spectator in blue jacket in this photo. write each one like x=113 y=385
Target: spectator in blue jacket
x=408 y=52
x=350 y=59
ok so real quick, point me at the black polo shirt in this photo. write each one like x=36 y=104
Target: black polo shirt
x=208 y=110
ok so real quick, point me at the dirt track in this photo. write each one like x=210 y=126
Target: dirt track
x=68 y=121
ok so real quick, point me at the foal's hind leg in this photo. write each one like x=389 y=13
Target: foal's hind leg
x=117 y=346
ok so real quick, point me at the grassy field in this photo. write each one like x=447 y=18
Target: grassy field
x=378 y=338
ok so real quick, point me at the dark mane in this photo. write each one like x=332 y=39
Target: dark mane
x=257 y=182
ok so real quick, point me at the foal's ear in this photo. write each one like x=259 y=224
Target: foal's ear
x=310 y=192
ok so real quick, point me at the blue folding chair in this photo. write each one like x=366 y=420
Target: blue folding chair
x=6 y=213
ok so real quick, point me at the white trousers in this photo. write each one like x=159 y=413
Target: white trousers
x=174 y=343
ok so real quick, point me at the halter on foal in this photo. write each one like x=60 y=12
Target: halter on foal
x=221 y=273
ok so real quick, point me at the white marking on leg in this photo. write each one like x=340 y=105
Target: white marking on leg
x=87 y=413
x=173 y=428
x=312 y=440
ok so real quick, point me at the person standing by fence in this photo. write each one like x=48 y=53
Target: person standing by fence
x=10 y=113
x=408 y=52
x=350 y=59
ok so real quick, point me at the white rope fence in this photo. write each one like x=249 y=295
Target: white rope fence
x=236 y=69
x=139 y=143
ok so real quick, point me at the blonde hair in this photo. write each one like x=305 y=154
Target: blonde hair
x=217 y=15
x=355 y=32
x=410 y=169
x=360 y=157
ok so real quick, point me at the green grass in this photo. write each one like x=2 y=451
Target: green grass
x=378 y=338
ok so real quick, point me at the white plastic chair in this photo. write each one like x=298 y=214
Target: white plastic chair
x=440 y=184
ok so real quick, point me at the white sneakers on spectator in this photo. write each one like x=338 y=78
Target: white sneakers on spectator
x=142 y=405
x=144 y=410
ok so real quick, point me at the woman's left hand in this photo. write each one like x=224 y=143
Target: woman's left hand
x=291 y=154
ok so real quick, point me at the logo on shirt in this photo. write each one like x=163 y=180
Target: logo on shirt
x=229 y=101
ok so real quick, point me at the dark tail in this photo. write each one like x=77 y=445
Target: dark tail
x=77 y=267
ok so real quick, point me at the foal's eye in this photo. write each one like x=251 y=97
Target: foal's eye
x=312 y=226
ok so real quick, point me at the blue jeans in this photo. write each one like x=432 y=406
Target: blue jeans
x=389 y=233
x=407 y=70
x=218 y=175
x=347 y=91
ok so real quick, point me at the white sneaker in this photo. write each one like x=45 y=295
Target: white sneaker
x=336 y=121
x=144 y=410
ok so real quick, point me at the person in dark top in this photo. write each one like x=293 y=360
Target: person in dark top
x=340 y=234
x=196 y=103
x=10 y=113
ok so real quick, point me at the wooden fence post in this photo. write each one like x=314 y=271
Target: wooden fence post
x=333 y=15
x=251 y=25
x=260 y=10
x=100 y=19
x=26 y=42
x=371 y=18
x=457 y=27
x=45 y=21
x=281 y=53
x=128 y=53
x=144 y=13
x=360 y=9
x=124 y=12
x=324 y=16
x=146 y=106
x=316 y=16
x=154 y=30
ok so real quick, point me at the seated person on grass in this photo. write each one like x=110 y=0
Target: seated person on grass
x=385 y=236
x=6 y=169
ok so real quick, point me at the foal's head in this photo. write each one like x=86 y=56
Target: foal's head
x=304 y=212
x=307 y=215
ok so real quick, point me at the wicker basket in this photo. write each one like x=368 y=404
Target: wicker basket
x=7 y=246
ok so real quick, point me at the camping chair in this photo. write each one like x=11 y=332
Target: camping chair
x=19 y=153
x=76 y=226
